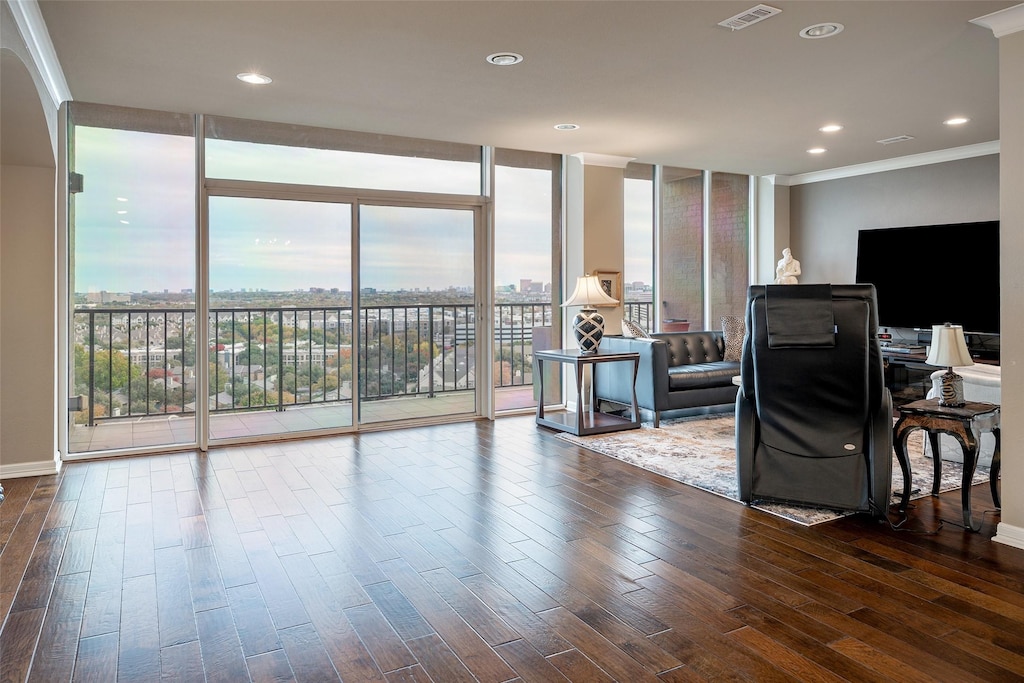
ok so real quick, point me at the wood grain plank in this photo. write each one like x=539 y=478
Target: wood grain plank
x=204 y=579
x=437 y=659
x=528 y=663
x=456 y=633
x=231 y=558
x=78 y=552
x=380 y=639
x=818 y=649
x=138 y=651
x=255 y=628
x=306 y=654
x=220 y=647
x=341 y=642
x=182 y=662
x=522 y=619
x=174 y=598
x=97 y=659
x=41 y=571
x=18 y=642
x=55 y=661
x=412 y=674
x=488 y=625
x=284 y=604
x=620 y=665
x=139 y=540
x=270 y=667
x=575 y=666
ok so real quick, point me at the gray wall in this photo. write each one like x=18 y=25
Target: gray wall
x=826 y=216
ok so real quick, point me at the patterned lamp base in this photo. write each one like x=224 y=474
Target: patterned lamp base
x=952 y=389
x=588 y=326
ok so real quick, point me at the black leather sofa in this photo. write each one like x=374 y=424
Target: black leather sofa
x=677 y=370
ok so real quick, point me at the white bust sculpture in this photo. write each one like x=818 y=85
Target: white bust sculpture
x=788 y=269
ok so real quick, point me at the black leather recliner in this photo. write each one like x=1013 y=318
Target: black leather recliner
x=813 y=415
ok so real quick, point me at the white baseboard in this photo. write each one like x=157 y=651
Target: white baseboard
x=1009 y=535
x=39 y=468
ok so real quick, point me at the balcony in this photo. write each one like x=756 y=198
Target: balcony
x=281 y=370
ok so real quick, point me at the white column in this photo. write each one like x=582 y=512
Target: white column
x=593 y=233
x=1008 y=27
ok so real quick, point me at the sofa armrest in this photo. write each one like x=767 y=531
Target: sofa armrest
x=613 y=381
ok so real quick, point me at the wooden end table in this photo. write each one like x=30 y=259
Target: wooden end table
x=585 y=422
x=966 y=424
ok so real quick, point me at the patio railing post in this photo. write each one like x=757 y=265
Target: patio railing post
x=430 y=353
x=92 y=368
x=280 y=361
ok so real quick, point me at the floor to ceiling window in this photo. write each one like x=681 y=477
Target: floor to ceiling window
x=681 y=250
x=703 y=247
x=131 y=275
x=638 y=244
x=333 y=280
x=729 y=246
x=527 y=234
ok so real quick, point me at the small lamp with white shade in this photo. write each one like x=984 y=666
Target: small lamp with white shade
x=949 y=350
x=588 y=325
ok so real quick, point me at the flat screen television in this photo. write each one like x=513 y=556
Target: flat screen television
x=932 y=274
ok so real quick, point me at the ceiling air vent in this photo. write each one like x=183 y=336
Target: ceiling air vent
x=898 y=138
x=750 y=17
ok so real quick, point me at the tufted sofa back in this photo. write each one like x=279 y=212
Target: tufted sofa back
x=688 y=348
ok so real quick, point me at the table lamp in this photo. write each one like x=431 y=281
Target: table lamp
x=588 y=325
x=949 y=350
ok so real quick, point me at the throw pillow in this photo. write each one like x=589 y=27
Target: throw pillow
x=733 y=328
x=631 y=329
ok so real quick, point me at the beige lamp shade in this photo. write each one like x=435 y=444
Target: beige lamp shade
x=949 y=349
x=589 y=293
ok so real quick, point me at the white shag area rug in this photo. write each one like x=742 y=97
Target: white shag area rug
x=700 y=451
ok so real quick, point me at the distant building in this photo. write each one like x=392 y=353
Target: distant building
x=104 y=297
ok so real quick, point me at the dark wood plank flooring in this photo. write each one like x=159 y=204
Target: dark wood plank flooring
x=478 y=552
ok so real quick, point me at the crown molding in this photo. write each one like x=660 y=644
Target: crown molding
x=1004 y=22
x=33 y=31
x=591 y=159
x=925 y=159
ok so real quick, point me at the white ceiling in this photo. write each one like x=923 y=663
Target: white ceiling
x=658 y=81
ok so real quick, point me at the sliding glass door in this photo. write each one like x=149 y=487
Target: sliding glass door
x=417 y=312
x=280 y=316
x=235 y=281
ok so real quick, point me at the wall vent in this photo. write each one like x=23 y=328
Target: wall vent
x=750 y=17
x=898 y=138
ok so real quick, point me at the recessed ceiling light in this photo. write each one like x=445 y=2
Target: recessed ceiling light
x=956 y=121
x=831 y=128
x=825 y=30
x=567 y=126
x=817 y=150
x=122 y=212
x=504 y=58
x=122 y=199
x=124 y=223
x=254 y=78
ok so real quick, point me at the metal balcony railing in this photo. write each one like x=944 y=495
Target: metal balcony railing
x=141 y=362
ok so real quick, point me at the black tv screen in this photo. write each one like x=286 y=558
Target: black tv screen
x=929 y=275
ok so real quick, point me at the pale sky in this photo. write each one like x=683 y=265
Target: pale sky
x=134 y=223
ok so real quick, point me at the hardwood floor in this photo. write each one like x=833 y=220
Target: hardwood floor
x=483 y=551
